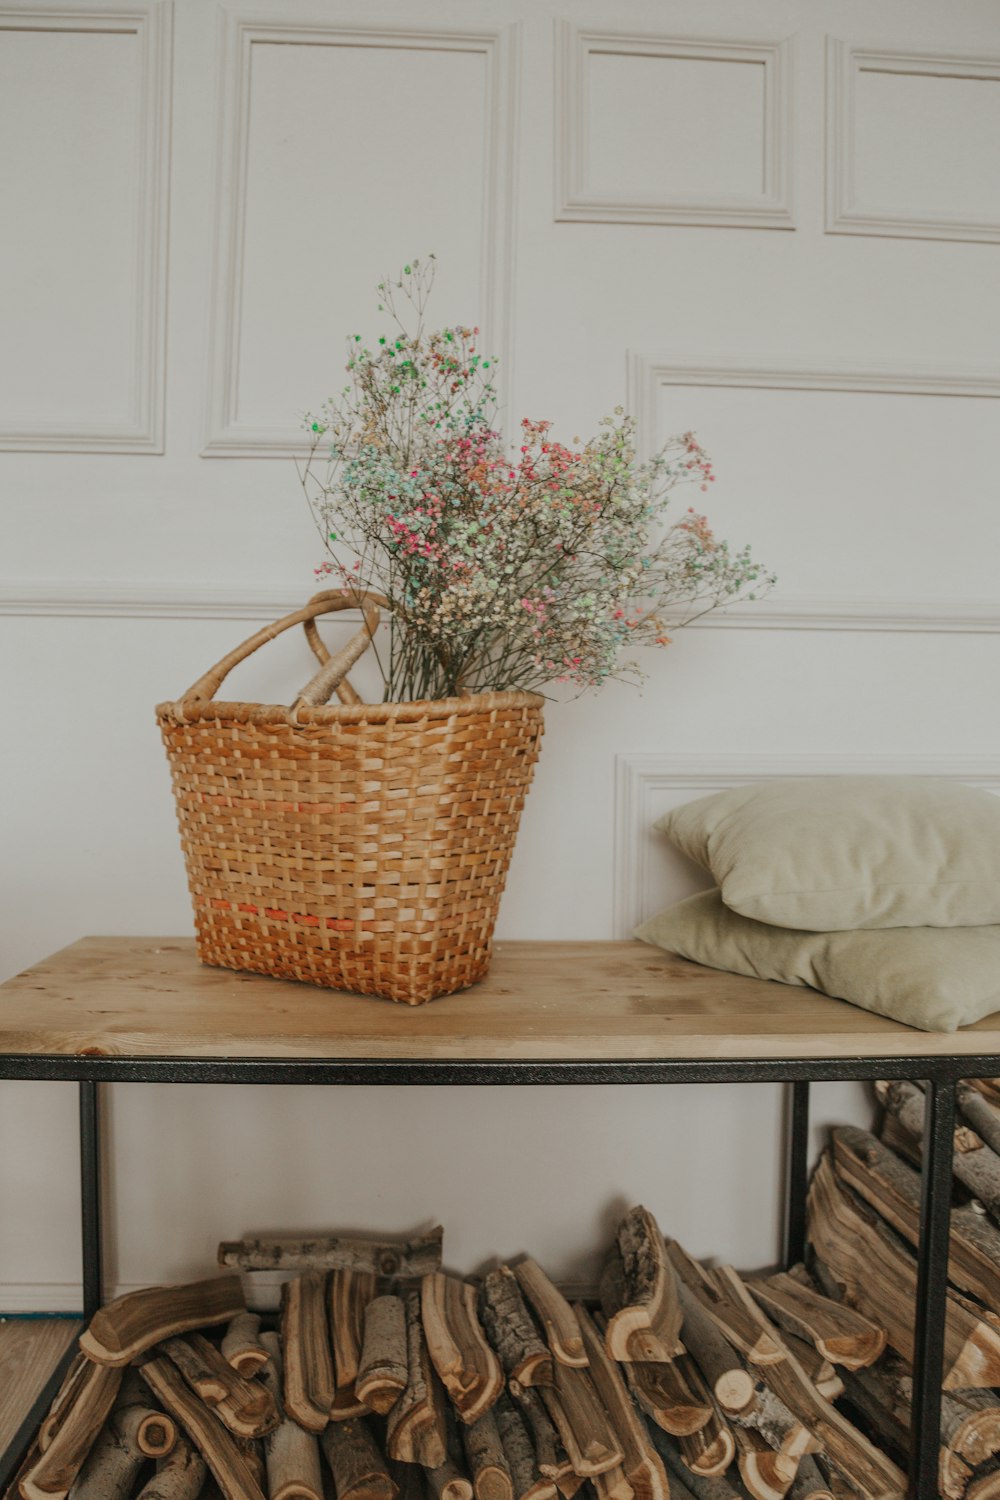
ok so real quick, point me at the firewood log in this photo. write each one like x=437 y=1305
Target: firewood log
x=404 y=1259
x=988 y=1087
x=612 y=1485
x=820 y=1371
x=110 y=1469
x=866 y=1466
x=63 y=1400
x=409 y=1479
x=766 y=1475
x=241 y=1346
x=382 y=1367
x=349 y=1294
x=982 y=1116
x=553 y=1313
x=133 y=1323
x=234 y=1473
x=809 y=1483
x=683 y=1480
x=716 y=1358
x=464 y=1360
x=245 y=1406
x=892 y=1187
x=550 y=1455
x=511 y=1329
x=447 y=1482
x=646 y=1325
x=291 y=1454
x=879 y=1276
x=973 y=1163
x=709 y=1451
x=642 y=1464
x=580 y=1420
x=729 y=1316
x=150 y=1433
x=54 y=1470
x=484 y=1453
x=840 y=1333
x=985 y=1483
x=358 y=1468
x=528 y=1481
x=179 y=1476
x=417 y=1430
x=665 y=1393
x=305 y=1347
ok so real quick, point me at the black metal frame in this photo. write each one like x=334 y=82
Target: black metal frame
x=939 y=1074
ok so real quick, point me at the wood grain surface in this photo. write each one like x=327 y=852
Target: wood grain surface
x=149 y=997
x=30 y=1348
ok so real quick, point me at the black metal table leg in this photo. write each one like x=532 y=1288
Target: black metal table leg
x=797 y=1174
x=90 y=1197
x=932 y=1286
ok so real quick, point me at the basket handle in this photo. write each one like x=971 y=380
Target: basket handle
x=333 y=669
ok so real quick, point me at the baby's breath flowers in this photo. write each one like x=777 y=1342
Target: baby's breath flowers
x=505 y=566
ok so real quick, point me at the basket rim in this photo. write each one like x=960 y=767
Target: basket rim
x=409 y=711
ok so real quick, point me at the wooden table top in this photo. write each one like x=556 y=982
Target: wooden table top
x=150 y=997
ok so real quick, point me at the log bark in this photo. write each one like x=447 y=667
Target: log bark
x=892 y=1187
x=553 y=1313
x=358 y=1468
x=179 y=1476
x=974 y=1164
x=484 y=1453
x=666 y=1394
x=809 y=1483
x=417 y=1430
x=291 y=1454
x=581 y=1421
x=403 y=1259
x=511 y=1329
x=241 y=1346
x=641 y=1463
x=110 y=1470
x=133 y=1323
x=54 y=1471
x=150 y=1433
x=683 y=1481
x=729 y=1316
x=63 y=1400
x=709 y=1451
x=305 y=1345
x=382 y=1367
x=245 y=1406
x=840 y=1333
x=447 y=1482
x=349 y=1295
x=464 y=1360
x=550 y=1456
x=984 y=1485
x=980 y=1114
x=527 y=1479
x=820 y=1371
x=234 y=1473
x=646 y=1325
x=767 y=1475
x=716 y=1358
x=879 y=1276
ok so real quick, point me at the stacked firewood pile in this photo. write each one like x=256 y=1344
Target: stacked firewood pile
x=863 y=1224
x=387 y=1377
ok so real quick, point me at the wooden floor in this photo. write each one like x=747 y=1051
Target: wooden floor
x=29 y=1349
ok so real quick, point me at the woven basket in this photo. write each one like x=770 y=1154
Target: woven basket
x=359 y=846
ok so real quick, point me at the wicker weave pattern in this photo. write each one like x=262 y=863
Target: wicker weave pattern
x=364 y=847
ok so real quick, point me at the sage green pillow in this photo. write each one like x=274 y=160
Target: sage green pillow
x=934 y=978
x=829 y=853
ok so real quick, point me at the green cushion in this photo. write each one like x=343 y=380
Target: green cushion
x=934 y=978
x=828 y=853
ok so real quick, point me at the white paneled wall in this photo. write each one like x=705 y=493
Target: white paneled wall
x=771 y=221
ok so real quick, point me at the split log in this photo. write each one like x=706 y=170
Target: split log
x=892 y=1187
x=291 y=1454
x=685 y=1481
x=641 y=1463
x=612 y=1485
x=665 y=1393
x=729 y=1316
x=63 y=1400
x=820 y=1371
x=512 y=1331
x=409 y=1479
x=709 y=1451
x=467 y=1366
x=417 y=1430
x=839 y=1332
x=150 y=1433
x=245 y=1406
x=985 y=1485
x=484 y=1453
x=133 y=1323
x=809 y=1483
x=879 y=1276
x=973 y=1163
x=767 y=1475
x=241 y=1346
x=447 y=1482
x=580 y=1420
x=646 y=1324
x=110 y=1470
x=235 y=1475
x=866 y=1467
x=349 y=1294
x=723 y=1369
x=981 y=1115
x=382 y=1367
x=403 y=1259
x=76 y=1432
x=305 y=1345
x=553 y=1312
x=528 y=1481
x=550 y=1457
x=358 y=1468
x=180 y=1476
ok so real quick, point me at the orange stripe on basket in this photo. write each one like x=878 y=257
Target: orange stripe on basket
x=306 y=919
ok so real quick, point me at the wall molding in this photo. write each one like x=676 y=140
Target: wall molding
x=844 y=213
x=226 y=435
x=639 y=776
x=142 y=431
x=158 y=600
x=770 y=209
